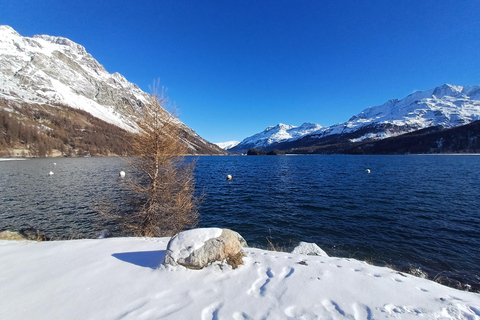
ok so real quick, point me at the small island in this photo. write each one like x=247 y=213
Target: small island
x=259 y=152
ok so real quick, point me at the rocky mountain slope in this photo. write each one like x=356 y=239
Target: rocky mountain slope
x=46 y=71
x=446 y=106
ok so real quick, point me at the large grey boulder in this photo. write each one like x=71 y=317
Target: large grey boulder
x=310 y=249
x=197 y=248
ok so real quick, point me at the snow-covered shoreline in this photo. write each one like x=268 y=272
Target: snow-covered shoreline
x=122 y=278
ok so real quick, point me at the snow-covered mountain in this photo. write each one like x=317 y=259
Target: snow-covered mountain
x=275 y=135
x=57 y=71
x=227 y=145
x=446 y=106
x=46 y=69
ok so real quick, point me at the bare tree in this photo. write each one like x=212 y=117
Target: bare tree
x=164 y=180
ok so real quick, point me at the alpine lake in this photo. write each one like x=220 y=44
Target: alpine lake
x=417 y=213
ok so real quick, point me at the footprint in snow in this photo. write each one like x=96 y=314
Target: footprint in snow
x=263 y=288
x=211 y=312
x=288 y=273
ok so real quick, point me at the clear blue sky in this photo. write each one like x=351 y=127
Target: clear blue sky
x=235 y=67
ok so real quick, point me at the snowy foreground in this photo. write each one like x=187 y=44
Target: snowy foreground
x=122 y=278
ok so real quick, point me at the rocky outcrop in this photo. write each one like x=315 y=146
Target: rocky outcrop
x=197 y=248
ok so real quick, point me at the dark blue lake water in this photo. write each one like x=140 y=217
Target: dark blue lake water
x=409 y=211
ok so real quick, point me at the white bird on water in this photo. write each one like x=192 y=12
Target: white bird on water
x=122 y=174
x=51 y=173
x=367 y=170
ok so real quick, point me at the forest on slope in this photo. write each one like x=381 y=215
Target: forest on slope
x=40 y=130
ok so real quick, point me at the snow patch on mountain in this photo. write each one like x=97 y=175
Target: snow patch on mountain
x=373 y=136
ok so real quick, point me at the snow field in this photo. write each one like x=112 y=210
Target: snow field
x=122 y=278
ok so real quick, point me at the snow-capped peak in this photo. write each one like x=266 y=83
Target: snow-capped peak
x=276 y=134
x=78 y=49
x=279 y=127
x=4 y=29
x=227 y=145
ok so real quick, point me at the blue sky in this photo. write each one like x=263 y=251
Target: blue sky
x=235 y=67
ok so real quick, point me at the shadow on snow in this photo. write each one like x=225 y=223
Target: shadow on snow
x=146 y=259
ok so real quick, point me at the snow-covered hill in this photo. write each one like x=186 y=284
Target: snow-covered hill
x=52 y=70
x=447 y=106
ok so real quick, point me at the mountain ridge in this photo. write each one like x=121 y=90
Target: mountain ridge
x=446 y=106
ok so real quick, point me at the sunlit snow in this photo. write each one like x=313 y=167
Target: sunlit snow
x=122 y=278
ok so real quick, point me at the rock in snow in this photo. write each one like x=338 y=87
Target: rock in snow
x=197 y=248
x=310 y=249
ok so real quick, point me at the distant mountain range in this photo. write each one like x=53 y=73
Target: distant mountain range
x=440 y=108
x=50 y=87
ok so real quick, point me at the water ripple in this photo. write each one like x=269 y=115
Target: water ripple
x=409 y=210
